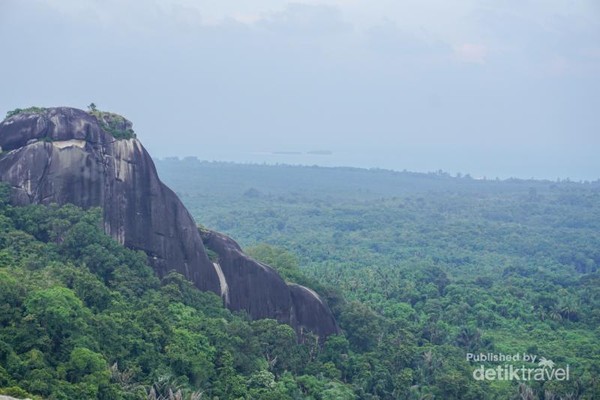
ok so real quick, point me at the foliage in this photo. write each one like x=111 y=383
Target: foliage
x=81 y=317
x=113 y=124
x=421 y=269
x=283 y=261
x=418 y=269
x=31 y=110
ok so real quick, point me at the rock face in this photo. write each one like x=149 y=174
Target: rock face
x=246 y=278
x=63 y=155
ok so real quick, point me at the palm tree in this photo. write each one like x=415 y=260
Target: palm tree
x=469 y=338
x=555 y=314
x=568 y=309
x=548 y=395
x=526 y=393
x=169 y=388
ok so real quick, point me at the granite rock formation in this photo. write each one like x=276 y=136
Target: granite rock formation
x=65 y=155
x=293 y=304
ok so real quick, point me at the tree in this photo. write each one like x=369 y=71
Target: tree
x=283 y=261
x=86 y=366
x=190 y=354
x=277 y=342
x=59 y=312
x=361 y=325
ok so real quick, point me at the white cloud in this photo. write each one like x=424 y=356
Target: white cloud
x=344 y=72
x=471 y=53
x=304 y=19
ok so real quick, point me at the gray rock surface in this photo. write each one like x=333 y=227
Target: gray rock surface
x=70 y=159
x=62 y=155
x=310 y=311
x=296 y=305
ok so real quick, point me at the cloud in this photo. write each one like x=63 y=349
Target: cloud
x=389 y=37
x=304 y=19
x=345 y=75
x=552 y=41
x=471 y=53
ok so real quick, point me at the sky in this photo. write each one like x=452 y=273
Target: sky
x=502 y=88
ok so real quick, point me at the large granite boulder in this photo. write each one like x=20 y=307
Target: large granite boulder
x=64 y=155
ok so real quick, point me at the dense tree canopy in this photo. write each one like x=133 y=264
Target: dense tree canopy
x=421 y=269
x=81 y=317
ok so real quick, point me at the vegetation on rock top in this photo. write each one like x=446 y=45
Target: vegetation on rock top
x=114 y=124
x=29 y=110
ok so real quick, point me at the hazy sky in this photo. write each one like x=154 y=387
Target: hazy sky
x=492 y=88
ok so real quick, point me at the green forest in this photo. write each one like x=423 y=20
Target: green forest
x=82 y=317
x=419 y=269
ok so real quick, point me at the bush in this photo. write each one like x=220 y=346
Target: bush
x=114 y=124
x=17 y=111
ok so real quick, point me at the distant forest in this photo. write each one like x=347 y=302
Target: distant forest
x=421 y=269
